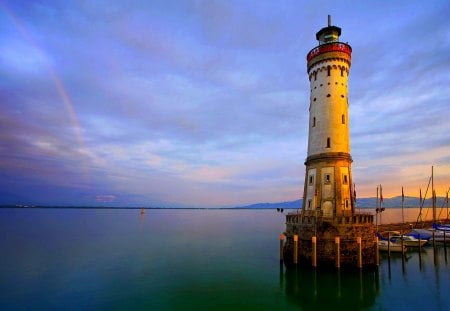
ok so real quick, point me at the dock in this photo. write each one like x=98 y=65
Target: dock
x=407 y=226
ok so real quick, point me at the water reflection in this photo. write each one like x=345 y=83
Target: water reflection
x=312 y=289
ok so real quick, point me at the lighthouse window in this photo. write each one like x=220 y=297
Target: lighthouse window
x=327 y=178
x=343 y=119
x=309 y=204
x=346 y=203
x=328 y=95
x=329 y=70
x=311 y=179
x=314 y=122
x=345 y=180
x=328 y=142
x=342 y=72
x=314 y=99
x=315 y=76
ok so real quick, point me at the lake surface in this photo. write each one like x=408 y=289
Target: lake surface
x=105 y=259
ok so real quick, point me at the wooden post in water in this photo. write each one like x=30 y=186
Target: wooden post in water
x=445 y=243
x=295 y=249
x=420 y=251
x=377 y=252
x=337 y=241
x=403 y=254
x=445 y=248
x=281 y=246
x=358 y=241
x=389 y=245
x=434 y=249
x=314 y=251
x=402 y=243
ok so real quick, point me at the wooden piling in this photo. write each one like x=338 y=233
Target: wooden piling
x=295 y=249
x=377 y=252
x=445 y=247
x=445 y=243
x=281 y=246
x=420 y=252
x=337 y=241
x=358 y=241
x=389 y=245
x=314 y=251
x=403 y=253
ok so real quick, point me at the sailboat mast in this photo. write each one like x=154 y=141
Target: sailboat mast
x=433 y=195
x=376 y=212
x=446 y=199
x=403 y=216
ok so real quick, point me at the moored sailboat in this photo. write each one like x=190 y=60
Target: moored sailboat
x=408 y=240
x=386 y=245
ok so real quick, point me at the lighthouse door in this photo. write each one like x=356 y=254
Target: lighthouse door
x=327 y=208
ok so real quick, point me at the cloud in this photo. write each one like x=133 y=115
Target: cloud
x=206 y=103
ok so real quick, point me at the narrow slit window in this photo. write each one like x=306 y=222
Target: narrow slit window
x=309 y=204
x=345 y=181
x=342 y=72
x=327 y=178
x=315 y=76
x=343 y=119
x=329 y=70
x=328 y=142
x=314 y=122
x=311 y=179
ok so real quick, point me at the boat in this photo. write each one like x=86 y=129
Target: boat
x=388 y=246
x=385 y=246
x=408 y=240
x=427 y=234
x=438 y=232
x=440 y=236
x=423 y=234
x=443 y=227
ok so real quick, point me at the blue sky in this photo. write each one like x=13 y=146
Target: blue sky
x=205 y=103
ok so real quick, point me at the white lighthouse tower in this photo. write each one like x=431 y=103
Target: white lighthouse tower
x=328 y=177
x=328 y=223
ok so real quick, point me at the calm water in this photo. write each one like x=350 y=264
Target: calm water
x=190 y=260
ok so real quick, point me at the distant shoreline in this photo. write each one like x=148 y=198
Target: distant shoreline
x=361 y=203
x=180 y=208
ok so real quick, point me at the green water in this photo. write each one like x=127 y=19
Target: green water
x=79 y=259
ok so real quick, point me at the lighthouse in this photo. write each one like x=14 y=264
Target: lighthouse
x=328 y=230
x=328 y=179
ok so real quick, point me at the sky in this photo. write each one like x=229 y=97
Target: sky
x=205 y=103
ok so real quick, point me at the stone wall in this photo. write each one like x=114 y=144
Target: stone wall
x=326 y=232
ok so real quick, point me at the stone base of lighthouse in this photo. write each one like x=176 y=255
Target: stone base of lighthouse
x=340 y=241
